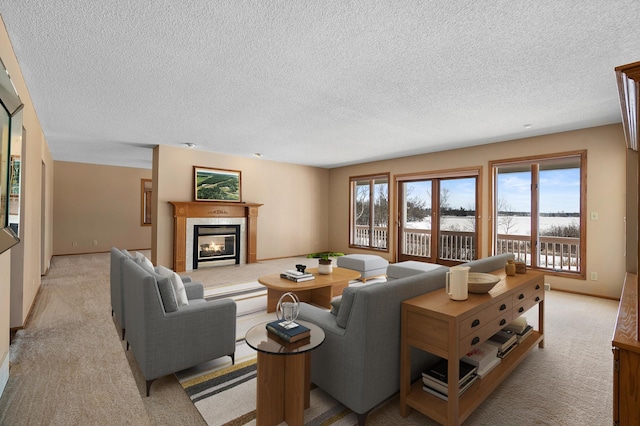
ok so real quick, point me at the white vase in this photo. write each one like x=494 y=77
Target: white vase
x=325 y=269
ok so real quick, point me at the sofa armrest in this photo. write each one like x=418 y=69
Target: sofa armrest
x=185 y=278
x=320 y=317
x=224 y=309
x=194 y=290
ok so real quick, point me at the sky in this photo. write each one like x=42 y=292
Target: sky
x=559 y=191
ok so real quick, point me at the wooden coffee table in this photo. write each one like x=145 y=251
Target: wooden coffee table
x=319 y=291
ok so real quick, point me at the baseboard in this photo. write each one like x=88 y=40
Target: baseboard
x=4 y=373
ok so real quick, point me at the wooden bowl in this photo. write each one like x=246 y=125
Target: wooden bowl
x=481 y=283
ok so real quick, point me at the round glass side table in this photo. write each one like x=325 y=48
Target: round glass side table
x=284 y=374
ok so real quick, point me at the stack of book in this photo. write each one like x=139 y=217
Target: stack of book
x=484 y=357
x=297 y=276
x=520 y=327
x=435 y=379
x=288 y=333
x=505 y=341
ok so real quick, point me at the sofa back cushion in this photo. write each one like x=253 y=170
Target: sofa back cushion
x=344 y=309
x=167 y=294
x=404 y=288
x=490 y=264
x=392 y=292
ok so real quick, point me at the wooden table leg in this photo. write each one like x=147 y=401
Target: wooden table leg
x=283 y=388
x=307 y=380
x=294 y=393
x=270 y=397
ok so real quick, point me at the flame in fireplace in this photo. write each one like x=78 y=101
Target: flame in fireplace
x=212 y=248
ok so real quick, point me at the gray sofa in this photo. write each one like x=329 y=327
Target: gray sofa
x=359 y=362
x=166 y=338
x=117 y=292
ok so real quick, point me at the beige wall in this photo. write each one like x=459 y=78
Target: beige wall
x=35 y=247
x=96 y=203
x=606 y=152
x=292 y=221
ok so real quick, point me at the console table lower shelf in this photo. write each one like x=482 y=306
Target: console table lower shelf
x=449 y=329
x=471 y=399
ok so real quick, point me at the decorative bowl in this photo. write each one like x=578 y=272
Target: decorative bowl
x=481 y=283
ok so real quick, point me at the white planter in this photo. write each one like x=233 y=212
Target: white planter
x=325 y=269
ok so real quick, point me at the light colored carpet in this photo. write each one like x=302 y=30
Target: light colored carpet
x=69 y=367
x=225 y=393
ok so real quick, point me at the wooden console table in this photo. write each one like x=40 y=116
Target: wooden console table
x=449 y=329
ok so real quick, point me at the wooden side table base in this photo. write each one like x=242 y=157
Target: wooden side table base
x=283 y=388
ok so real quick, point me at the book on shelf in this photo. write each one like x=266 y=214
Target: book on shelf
x=507 y=351
x=443 y=393
x=439 y=372
x=503 y=340
x=444 y=389
x=482 y=356
x=297 y=279
x=486 y=369
x=516 y=326
x=288 y=334
x=527 y=331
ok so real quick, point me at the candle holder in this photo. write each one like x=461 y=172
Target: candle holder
x=287 y=309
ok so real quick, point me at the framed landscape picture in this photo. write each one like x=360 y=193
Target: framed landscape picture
x=217 y=184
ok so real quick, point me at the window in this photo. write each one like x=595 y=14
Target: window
x=146 y=192
x=438 y=216
x=369 y=212
x=539 y=206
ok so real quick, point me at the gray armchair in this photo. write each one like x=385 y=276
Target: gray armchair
x=166 y=342
x=117 y=291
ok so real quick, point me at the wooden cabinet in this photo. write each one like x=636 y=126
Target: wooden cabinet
x=626 y=355
x=434 y=323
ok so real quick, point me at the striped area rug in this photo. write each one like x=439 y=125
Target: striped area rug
x=225 y=394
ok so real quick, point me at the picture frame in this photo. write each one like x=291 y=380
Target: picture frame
x=217 y=184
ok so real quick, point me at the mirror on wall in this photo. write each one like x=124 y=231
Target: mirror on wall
x=15 y=172
x=10 y=123
x=145 y=206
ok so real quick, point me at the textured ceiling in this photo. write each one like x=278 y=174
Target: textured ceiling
x=323 y=83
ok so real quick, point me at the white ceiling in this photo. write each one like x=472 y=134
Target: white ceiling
x=315 y=82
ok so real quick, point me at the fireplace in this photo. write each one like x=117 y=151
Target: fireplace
x=188 y=214
x=216 y=243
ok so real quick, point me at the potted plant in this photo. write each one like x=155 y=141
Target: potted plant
x=324 y=260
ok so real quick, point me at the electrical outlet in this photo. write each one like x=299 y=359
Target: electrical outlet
x=74 y=244
x=594 y=276
x=95 y=242
x=594 y=215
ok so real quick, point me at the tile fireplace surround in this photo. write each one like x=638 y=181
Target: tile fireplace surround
x=184 y=214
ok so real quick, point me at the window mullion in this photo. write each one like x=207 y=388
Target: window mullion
x=535 y=215
x=372 y=211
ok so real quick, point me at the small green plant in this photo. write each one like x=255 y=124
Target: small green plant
x=324 y=255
